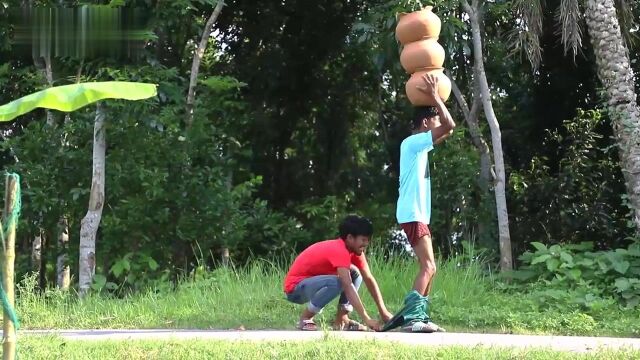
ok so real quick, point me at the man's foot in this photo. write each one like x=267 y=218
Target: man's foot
x=422 y=327
x=307 y=325
x=349 y=325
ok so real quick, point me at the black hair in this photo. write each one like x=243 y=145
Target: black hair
x=421 y=113
x=355 y=225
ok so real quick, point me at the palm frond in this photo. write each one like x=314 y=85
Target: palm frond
x=628 y=22
x=569 y=26
x=525 y=36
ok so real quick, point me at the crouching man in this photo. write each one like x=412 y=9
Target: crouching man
x=332 y=268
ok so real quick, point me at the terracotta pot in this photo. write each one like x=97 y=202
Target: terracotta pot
x=419 y=98
x=422 y=54
x=418 y=25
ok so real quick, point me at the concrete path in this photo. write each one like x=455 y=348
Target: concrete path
x=562 y=343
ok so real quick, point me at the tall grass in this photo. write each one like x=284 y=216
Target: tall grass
x=464 y=298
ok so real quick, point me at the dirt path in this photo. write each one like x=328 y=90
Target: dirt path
x=563 y=343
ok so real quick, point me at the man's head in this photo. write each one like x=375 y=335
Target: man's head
x=355 y=231
x=424 y=119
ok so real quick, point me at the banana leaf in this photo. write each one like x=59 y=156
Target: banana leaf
x=72 y=97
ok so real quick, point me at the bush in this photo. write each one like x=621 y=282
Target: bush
x=577 y=274
x=576 y=201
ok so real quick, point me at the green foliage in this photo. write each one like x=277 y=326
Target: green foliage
x=578 y=274
x=577 y=201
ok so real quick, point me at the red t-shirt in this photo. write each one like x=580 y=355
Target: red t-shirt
x=322 y=258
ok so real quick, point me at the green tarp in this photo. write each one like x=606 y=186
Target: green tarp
x=416 y=308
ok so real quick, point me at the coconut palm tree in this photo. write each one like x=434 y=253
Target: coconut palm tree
x=608 y=23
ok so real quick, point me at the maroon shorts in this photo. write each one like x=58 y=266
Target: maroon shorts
x=415 y=230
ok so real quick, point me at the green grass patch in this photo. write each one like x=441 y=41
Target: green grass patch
x=34 y=347
x=464 y=299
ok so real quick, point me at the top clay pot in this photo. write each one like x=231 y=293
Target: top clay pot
x=418 y=25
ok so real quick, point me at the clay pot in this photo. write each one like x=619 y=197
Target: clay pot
x=419 y=98
x=422 y=54
x=418 y=25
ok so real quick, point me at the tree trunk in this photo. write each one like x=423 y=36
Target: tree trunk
x=91 y=221
x=36 y=253
x=63 y=271
x=616 y=75
x=506 y=261
x=471 y=118
x=8 y=262
x=44 y=64
x=225 y=255
x=197 y=58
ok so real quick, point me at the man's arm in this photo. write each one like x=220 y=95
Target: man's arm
x=344 y=274
x=447 y=124
x=442 y=131
x=374 y=290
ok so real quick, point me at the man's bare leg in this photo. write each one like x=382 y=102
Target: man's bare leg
x=342 y=318
x=307 y=315
x=427 y=262
x=424 y=279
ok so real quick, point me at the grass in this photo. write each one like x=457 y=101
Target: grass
x=464 y=299
x=34 y=347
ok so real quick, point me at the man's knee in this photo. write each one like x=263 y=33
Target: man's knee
x=428 y=267
x=355 y=272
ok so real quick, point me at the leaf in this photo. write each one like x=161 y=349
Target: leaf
x=98 y=282
x=575 y=273
x=622 y=284
x=522 y=275
x=539 y=246
x=73 y=97
x=566 y=257
x=621 y=266
x=633 y=302
x=117 y=269
x=222 y=83
x=153 y=265
x=586 y=262
x=552 y=264
x=540 y=259
x=634 y=249
x=4 y=69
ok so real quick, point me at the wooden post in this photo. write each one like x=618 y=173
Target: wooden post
x=8 y=330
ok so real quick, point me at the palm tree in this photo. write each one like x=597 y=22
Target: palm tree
x=608 y=23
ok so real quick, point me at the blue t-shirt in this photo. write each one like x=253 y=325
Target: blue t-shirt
x=414 y=200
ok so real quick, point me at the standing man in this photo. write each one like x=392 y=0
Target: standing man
x=430 y=126
x=332 y=268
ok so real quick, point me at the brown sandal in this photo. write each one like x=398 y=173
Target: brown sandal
x=352 y=326
x=307 y=325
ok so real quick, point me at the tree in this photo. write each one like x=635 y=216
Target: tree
x=616 y=75
x=607 y=30
x=197 y=58
x=91 y=221
x=70 y=98
x=474 y=10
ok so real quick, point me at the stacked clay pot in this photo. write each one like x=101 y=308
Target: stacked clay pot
x=418 y=34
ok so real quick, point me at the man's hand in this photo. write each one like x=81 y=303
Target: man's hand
x=373 y=324
x=430 y=85
x=386 y=315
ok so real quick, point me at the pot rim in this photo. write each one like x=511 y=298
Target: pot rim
x=401 y=14
x=425 y=69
